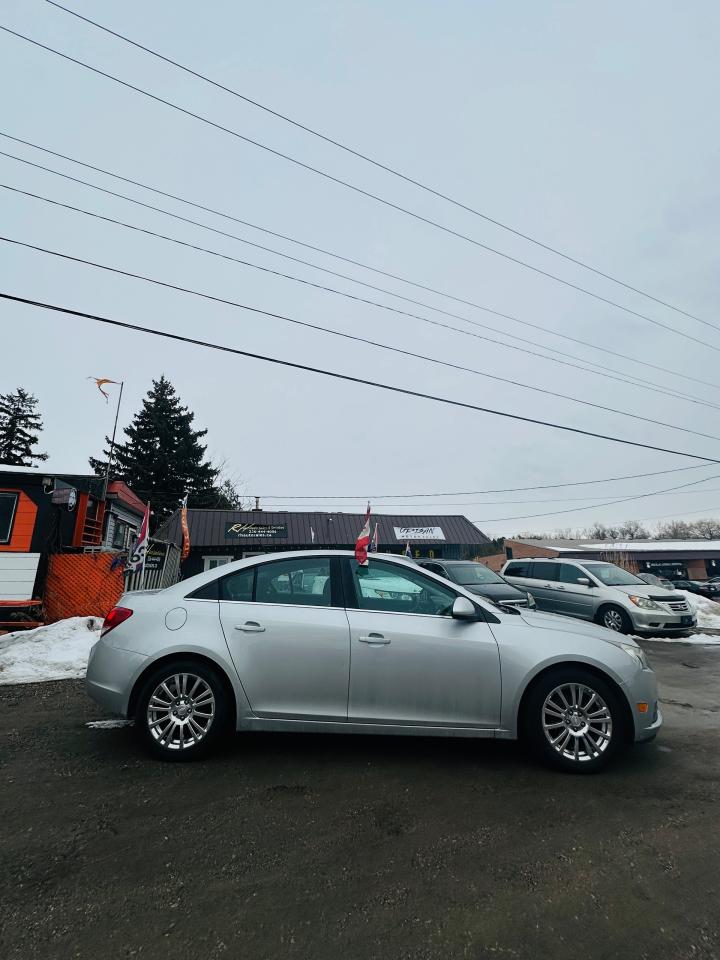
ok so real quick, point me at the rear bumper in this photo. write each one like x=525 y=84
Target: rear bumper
x=110 y=676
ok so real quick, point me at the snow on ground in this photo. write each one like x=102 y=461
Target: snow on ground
x=705 y=639
x=58 y=651
x=708 y=611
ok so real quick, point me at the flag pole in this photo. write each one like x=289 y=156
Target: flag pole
x=112 y=442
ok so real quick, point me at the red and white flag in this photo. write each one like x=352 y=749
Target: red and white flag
x=363 y=541
x=136 y=558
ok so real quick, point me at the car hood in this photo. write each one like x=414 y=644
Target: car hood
x=650 y=591
x=557 y=623
x=495 y=591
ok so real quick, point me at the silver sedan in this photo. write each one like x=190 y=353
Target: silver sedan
x=312 y=641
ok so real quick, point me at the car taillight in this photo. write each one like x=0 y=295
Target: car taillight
x=116 y=616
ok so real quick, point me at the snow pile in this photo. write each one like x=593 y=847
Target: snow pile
x=708 y=611
x=56 y=652
x=706 y=639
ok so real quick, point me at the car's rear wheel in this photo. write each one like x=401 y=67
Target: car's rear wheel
x=615 y=618
x=574 y=720
x=182 y=710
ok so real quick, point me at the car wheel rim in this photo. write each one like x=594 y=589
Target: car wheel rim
x=613 y=620
x=577 y=722
x=181 y=711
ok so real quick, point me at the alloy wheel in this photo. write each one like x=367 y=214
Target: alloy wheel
x=577 y=722
x=180 y=711
x=612 y=619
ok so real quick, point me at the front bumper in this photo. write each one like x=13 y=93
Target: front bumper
x=643 y=689
x=110 y=676
x=662 y=621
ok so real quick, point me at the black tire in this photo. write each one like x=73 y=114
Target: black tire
x=536 y=714
x=186 y=711
x=611 y=614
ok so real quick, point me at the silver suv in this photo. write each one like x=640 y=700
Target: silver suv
x=603 y=592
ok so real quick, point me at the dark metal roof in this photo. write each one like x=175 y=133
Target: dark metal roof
x=207 y=528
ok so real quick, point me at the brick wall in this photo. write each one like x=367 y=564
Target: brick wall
x=522 y=550
x=81 y=585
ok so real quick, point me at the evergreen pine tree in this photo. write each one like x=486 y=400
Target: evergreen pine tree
x=162 y=457
x=20 y=424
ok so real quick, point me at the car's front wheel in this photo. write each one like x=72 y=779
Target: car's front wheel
x=574 y=720
x=182 y=710
x=615 y=618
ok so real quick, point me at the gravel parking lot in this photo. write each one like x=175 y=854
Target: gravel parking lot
x=356 y=847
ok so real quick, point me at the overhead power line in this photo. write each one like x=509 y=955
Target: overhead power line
x=359 y=190
x=326 y=289
x=473 y=493
x=336 y=375
x=330 y=331
x=392 y=293
x=377 y=163
x=593 y=506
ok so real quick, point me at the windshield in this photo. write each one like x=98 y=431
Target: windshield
x=469 y=573
x=613 y=576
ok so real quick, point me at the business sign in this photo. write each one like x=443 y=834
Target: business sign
x=403 y=534
x=256 y=531
x=155 y=556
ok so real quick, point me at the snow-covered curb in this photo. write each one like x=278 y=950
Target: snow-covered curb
x=708 y=611
x=58 y=651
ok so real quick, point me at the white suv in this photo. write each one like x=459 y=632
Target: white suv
x=603 y=592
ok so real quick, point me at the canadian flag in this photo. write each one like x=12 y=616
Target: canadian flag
x=363 y=541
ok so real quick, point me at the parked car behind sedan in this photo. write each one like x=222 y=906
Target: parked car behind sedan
x=386 y=648
x=703 y=588
x=656 y=581
x=603 y=592
x=480 y=580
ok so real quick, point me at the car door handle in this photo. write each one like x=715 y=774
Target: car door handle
x=374 y=638
x=250 y=626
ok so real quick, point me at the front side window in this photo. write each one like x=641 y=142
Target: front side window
x=614 y=576
x=303 y=581
x=394 y=589
x=570 y=574
x=8 y=505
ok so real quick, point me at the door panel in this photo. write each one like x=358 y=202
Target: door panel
x=414 y=669
x=292 y=661
x=289 y=638
x=577 y=600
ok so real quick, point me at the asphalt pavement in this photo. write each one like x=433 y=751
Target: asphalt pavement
x=299 y=846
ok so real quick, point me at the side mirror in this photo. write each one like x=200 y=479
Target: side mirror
x=463 y=609
x=585 y=581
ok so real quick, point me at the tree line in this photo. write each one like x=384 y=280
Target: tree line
x=706 y=529
x=161 y=457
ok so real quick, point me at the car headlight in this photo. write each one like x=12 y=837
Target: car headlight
x=645 y=603
x=531 y=601
x=637 y=654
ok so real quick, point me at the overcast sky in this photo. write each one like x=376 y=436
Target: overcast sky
x=589 y=126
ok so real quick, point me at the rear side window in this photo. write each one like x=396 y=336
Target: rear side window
x=519 y=568
x=302 y=581
x=238 y=587
x=208 y=591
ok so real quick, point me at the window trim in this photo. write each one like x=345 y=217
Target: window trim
x=352 y=601
x=336 y=586
x=215 y=556
x=13 y=513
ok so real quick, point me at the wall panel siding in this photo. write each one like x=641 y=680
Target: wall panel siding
x=17 y=575
x=23 y=524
